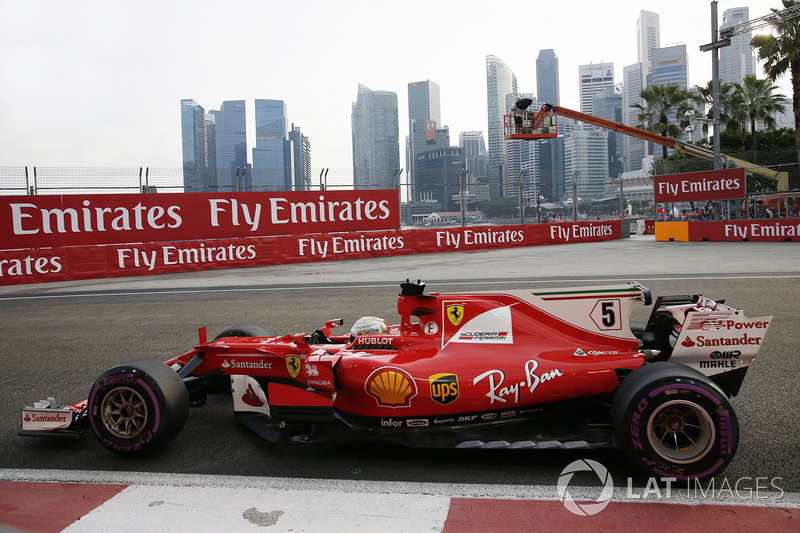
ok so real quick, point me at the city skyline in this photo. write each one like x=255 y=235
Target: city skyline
x=83 y=86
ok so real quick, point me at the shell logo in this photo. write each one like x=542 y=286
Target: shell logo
x=391 y=387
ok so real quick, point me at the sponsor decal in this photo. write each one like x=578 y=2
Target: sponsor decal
x=293 y=365
x=251 y=398
x=391 y=387
x=726 y=184
x=311 y=370
x=700 y=340
x=240 y=365
x=57 y=418
x=488 y=416
x=753 y=229
x=563 y=233
x=483 y=336
x=492 y=326
x=320 y=383
x=579 y=353
x=455 y=313
x=367 y=342
x=707 y=323
x=46 y=419
x=117 y=218
x=335 y=245
x=409 y=422
x=727 y=359
x=476 y=238
x=444 y=388
x=501 y=392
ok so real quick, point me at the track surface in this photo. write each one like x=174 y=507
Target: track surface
x=55 y=339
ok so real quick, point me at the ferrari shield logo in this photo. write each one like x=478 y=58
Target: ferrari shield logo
x=293 y=365
x=455 y=313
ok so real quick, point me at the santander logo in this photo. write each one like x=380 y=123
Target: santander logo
x=251 y=398
x=687 y=342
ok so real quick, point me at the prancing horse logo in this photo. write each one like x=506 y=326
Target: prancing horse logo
x=293 y=365
x=455 y=313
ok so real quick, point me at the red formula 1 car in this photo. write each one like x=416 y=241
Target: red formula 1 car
x=545 y=368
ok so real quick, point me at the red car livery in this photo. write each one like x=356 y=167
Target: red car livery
x=544 y=368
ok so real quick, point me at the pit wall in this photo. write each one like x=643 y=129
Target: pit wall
x=38 y=265
x=778 y=230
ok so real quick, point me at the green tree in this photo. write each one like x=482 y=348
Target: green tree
x=727 y=104
x=781 y=53
x=663 y=106
x=757 y=101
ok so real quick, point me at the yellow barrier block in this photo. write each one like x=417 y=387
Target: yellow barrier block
x=672 y=231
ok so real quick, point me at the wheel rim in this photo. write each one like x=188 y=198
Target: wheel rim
x=124 y=412
x=681 y=431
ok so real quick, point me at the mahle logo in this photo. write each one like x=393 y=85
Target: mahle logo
x=585 y=509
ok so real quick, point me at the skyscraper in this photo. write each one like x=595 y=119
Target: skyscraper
x=376 y=139
x=669 y=65
x=648 y=37
x=233 y=172
x=424 y=117
x=594 y=78
x=438 y=176
x=608 y=105
x=633 y=150
x=474 y=149
x=586 y=152
x=736 y=61
x=301 y=159
x=547 y=77
x=501 y=90
x=194 y=142
x=271 y=156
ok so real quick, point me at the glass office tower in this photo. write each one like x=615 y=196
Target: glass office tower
x=233 y=172
x=271 y=156
x=501 y=91
x=547 y=77
x=424 y=117
x=376 y=139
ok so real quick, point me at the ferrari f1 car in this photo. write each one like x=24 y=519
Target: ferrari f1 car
x=538 y=369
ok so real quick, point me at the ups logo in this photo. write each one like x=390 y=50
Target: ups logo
x=444 y=388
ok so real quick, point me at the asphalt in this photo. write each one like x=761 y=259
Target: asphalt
x=633 y=258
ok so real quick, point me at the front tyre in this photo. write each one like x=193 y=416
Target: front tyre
x=138 y=406
x=672 y=421
x=244 y=330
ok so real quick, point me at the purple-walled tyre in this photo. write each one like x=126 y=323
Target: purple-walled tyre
x=673 y=422
x=245 y=330
x=138 y=406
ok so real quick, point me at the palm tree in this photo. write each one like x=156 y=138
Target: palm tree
x=728 y=104
x=758 y=101
x=663 y=104
x=781 y=53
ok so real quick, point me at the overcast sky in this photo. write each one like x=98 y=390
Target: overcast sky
x=99 y=83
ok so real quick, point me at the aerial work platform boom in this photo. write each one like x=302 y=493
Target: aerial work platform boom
x=543 y=124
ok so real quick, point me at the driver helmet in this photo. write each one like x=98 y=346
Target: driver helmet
x=367 y=325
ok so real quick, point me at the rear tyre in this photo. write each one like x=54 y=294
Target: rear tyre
x=244 y=330
x=672 y=421
x=138 y=406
